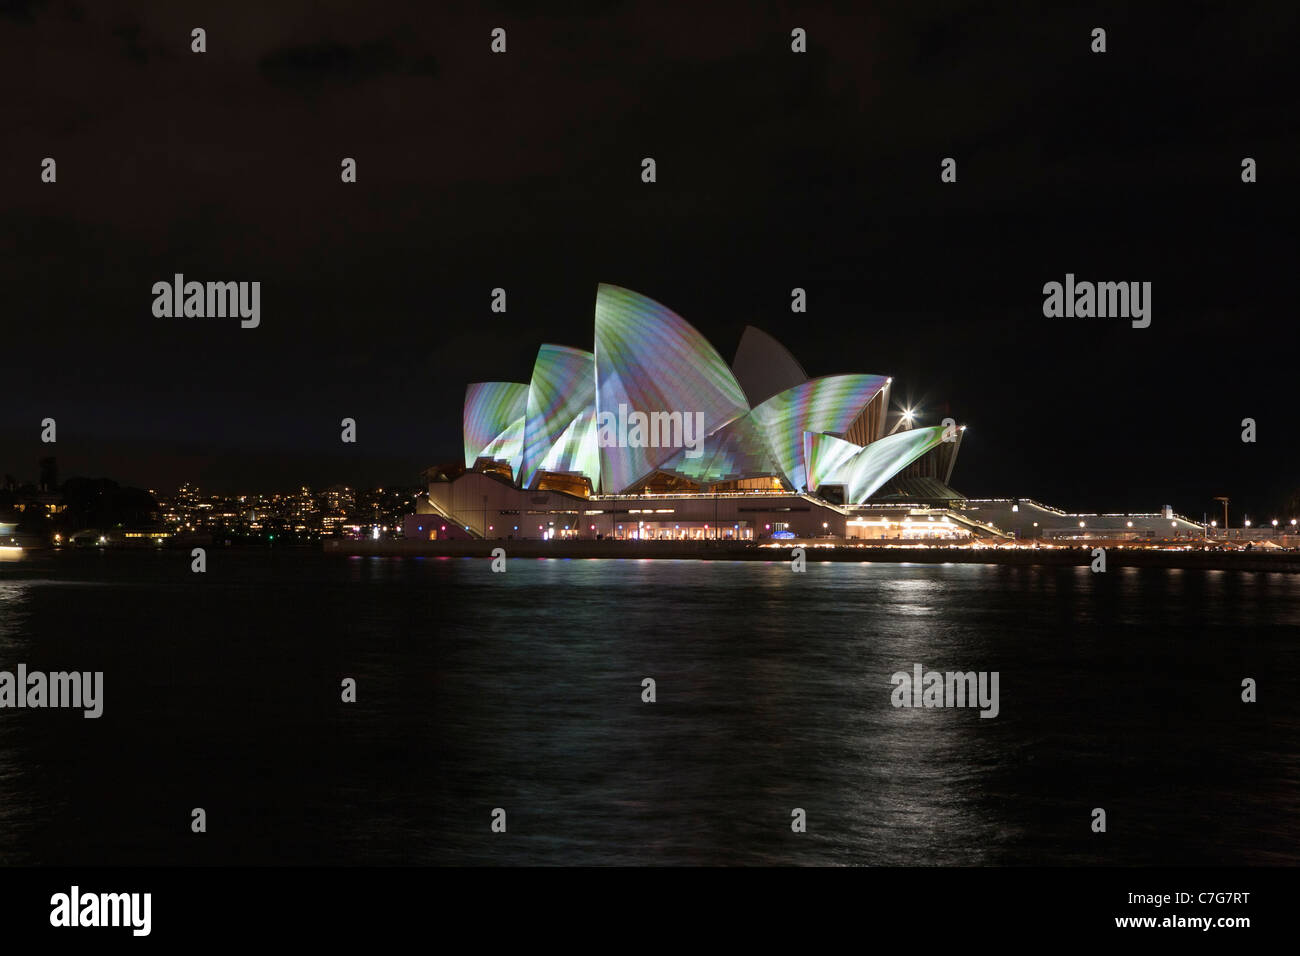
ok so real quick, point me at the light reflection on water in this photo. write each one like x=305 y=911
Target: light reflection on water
x=523 y=690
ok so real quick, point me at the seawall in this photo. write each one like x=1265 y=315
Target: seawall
x=1278 y=561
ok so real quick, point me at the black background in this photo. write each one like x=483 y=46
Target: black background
x=359 y=905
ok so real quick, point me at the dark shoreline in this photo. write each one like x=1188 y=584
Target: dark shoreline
x=1116 y=557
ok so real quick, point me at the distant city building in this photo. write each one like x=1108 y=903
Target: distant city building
x=339 y=498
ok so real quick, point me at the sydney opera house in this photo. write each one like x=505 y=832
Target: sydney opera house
x=652 y=435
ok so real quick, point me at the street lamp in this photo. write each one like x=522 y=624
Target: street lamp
x=1224 y=499
x=904 y=420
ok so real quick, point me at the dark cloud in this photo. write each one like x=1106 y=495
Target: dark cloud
x=23 y=11
x=313 y=67
x=131 y=35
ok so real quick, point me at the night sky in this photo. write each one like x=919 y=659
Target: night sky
x=775 y=170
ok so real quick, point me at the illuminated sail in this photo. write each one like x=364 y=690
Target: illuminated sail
x=881 y=460
x=826 y=405
x=494 y=422
x=648 y=359
x=559 y=431
x=735 y=451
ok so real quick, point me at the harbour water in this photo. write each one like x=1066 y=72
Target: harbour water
x=523 y=691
